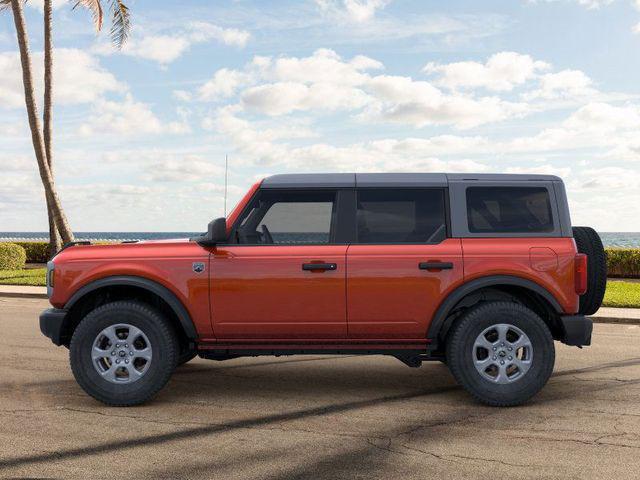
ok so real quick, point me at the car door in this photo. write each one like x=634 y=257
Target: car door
x=402 y=263
x=282 y=275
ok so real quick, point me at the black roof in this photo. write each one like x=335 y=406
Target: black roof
x=346 y=180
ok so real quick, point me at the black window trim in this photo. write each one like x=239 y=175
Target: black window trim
x=335 y=216
x=458 y=209
x=447 y=214
x=344 y=223
x=553 y=209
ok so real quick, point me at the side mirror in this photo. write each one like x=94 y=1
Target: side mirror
x=216 y=233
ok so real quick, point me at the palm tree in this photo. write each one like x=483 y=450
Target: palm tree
x=119 y=33
x=42 y=139
x=55 y=242
x=120 y=18
x=37 y=137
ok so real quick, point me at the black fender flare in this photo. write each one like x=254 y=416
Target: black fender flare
x=154 y=287
x=440 y=317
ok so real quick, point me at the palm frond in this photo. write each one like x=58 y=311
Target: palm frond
x=120 y=23
x=5 y=5
x=95 y=7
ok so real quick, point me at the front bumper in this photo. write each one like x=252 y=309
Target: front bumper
x=52 y=324
x=576 y=330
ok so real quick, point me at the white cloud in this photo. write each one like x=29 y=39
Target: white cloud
x=187 y=169
x=182 y=95
x=324 y=66
x=79 y=78
x=589 y=4
x=128 y=118
x=224 y=84
x=286 y=97
x=201 y=32
x=326 y=82
x=564 y=84
x=352 y=10
x=501 y=72
x=418 y=103
x=165 y=48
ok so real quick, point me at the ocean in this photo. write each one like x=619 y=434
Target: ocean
x=610 y=239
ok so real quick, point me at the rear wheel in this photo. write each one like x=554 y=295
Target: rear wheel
x=123 y=353
x=501 y=352
x=588 y=242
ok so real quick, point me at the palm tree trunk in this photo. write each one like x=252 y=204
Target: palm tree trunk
x=55 y=242
x=34 y=123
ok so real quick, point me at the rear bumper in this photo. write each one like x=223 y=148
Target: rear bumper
x=51 y=324
x=576 y=330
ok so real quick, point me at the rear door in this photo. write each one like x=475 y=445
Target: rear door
x=402 y=263
x=283 y=274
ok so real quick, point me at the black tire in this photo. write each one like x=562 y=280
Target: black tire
x=588 y=242
x=164 y=350
x=460 y=352
x=186 y=356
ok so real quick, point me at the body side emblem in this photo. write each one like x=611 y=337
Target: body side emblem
x=198 y=267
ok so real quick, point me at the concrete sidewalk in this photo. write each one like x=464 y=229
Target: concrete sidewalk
x=617 y=315
x=604 y=315
x=23 y=291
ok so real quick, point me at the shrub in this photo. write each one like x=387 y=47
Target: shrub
x=12 y=256
x=623 y=262
x=37 y=252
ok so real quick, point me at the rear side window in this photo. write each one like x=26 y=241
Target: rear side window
x=401 y=216
x=509 y=210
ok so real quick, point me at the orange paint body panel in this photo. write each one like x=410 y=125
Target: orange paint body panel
x=168 y=263
x=263 y=292
x=389 y=296
x=549 y=262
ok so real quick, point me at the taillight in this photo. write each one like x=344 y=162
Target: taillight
x=580 y=274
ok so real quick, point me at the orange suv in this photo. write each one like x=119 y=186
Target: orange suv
x=482 y=272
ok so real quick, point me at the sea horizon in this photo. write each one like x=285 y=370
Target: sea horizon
x=609 y=239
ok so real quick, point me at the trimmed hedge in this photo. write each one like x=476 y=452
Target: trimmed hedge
x=12 y=256
x=623 y=262
x=37 y=252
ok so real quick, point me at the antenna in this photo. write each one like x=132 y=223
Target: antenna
x=226 y=170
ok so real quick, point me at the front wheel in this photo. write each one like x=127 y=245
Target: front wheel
x=501 y=352
x=123 y=353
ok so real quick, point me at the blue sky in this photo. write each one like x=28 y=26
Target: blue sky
x=548 y=86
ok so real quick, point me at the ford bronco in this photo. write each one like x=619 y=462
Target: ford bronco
x=481 y=272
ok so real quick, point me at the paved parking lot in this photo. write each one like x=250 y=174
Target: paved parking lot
x=317 y=417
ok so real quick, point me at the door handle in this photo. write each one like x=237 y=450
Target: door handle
x=319 y=266
x=435 y=265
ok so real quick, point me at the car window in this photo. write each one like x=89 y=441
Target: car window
x=401 y=216
x=509 y=210
x=288 y=218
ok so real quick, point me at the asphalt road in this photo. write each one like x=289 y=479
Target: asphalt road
x=317 y=417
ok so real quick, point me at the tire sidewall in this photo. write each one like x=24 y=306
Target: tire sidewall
x=142 y=317
x=460 y=355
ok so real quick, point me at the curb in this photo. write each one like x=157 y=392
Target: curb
x=619 y=320
x=23 y=295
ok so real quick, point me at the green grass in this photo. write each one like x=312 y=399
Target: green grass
x=622 y=294
x=31 y=276
x=618 y=294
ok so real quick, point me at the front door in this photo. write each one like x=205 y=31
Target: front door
x=402 y=263
x=282 y=275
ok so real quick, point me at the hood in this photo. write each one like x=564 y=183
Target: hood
x=128 y=250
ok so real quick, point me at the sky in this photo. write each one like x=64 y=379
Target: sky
x=141 y=134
